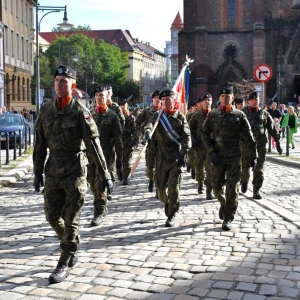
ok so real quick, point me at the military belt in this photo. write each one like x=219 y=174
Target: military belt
x=63 y=153
x=127 y=130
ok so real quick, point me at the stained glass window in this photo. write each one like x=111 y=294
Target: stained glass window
x=231 y=13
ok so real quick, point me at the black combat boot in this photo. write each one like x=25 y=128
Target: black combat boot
x=221 y=212
x=125 y=181
x=200 y=189
x=166 y=209
x=193 y=174
x=209 y=195
x=156 y=194
x=256 y=194
x=226 y=225
x=120 y=174
x=244 y=187
x=170 y=221
x=150 y=186
x=59 y=274
x=97 y=220
x=73 y=260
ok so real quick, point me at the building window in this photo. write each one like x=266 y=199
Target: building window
x=23 y=49
x=174 y=34
x=5 y=4
x=23 y=89
x=17 y=8
x=231 y=13
x=18 y=88
x=26 y=13
x=12 y=6
x=12 y=44
x=27 y=52
x=18 y=46
x=30 y=53
x=22 y=11
x=6 y=40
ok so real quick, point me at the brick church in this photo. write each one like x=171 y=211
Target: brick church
x=228 y=39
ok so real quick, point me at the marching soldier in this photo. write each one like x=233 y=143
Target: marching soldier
x=173 y=141
x=143 y=119
x=190 y=157
x=202 y=159
x=227 y=125
x=239 y=102
x=260 y=121
x=68 y=130
x=129 y=139
x=113 y=106
x=109 y=129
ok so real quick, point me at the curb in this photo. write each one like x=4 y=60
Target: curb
x=18 y=172
x=282 y=161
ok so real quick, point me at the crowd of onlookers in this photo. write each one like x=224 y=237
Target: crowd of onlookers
x=29 y=115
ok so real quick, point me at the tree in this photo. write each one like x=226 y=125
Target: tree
x=243 y=88
x=98 y=62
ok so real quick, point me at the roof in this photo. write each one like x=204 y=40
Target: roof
x=118 y=37
x=149 y=50
x=177 y=23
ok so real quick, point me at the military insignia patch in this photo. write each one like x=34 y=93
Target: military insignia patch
x=87 y=116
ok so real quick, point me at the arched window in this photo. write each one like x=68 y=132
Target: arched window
x=23 y=89
x=27 y=86
x=231 y=13
x=18 y=88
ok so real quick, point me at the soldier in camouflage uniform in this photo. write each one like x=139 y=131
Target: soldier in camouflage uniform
x=109 y=128
x=260 y=121
x=67 y=129
x=129 y=139
x=169 y=154
x=113 y=106
x=202 y=159
x=143 y=119
x=227 y=125
x=190 y=157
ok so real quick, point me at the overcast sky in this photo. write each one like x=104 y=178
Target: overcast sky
x=149 y=21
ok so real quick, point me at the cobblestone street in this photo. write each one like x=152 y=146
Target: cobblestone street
x=132 y=255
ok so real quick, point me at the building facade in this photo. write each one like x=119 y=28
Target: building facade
x=2 y=67
x=229 y=39
x=18 y=52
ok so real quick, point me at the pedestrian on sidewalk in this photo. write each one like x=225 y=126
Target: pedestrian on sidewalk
x=67 y=128
x=291 y=120
x=278 y=129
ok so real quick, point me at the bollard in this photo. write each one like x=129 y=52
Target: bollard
x=29 y=132
x=15 y=145
x=287 y=133
x=269 y=140
x=20 y=142
x=7 y=148
x=25 y=139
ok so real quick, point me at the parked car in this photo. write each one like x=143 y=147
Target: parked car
x=12 y=123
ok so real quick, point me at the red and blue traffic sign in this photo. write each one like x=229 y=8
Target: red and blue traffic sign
x=263 y=73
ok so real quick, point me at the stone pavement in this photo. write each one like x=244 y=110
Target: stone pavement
x=132 y=255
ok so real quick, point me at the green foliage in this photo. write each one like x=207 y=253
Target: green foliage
x=98 y=63
x=127 y=89
x=73 y=28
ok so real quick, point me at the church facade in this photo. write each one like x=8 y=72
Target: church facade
x=229 y=39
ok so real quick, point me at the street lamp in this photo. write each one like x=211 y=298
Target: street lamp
x=64 y=26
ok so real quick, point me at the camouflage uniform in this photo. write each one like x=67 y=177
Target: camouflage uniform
x=109 y=129
x=227 y=130
x=143 y=119
x=261 y=123
x=190 y=158
x=202 y=159
x=69 y=134
x=129 y=138
x=169 y=175
x=116 y=109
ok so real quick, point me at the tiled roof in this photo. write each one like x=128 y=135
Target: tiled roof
x=118 y=37
x=177 y=23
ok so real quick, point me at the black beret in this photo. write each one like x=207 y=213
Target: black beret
x=190 y=105
x=100 y=88
x=122 y=102
x=65 y=71
x=239 y=100
x=207 y=95
x=108 y=87
x=155 y=93
x=253 y=95
x=166 y=93
x=200 y=99
x=227 y=90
